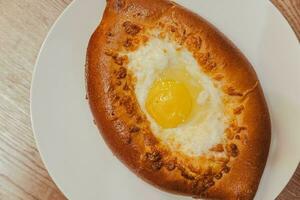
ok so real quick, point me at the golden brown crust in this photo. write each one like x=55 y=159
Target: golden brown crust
x=110 y=89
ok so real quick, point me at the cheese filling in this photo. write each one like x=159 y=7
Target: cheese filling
x=183 y=106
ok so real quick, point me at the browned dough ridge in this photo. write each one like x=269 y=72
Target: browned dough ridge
x=125 y=128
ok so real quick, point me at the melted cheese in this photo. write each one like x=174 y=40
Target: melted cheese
x=198 y=125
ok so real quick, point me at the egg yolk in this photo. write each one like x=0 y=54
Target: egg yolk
x=169 y=103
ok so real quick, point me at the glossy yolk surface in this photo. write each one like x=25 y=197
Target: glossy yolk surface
x=169 y=102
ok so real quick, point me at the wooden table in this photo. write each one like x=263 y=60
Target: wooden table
x=23 y=27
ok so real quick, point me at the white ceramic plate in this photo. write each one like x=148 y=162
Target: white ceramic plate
x=73 y=151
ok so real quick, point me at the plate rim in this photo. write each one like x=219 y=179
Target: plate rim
x=33 y=78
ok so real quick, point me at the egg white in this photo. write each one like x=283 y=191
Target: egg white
x=194 y=137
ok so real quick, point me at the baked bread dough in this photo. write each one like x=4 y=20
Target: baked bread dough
x=176 y=101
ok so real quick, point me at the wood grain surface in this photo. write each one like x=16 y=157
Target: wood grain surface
x=23 y=27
